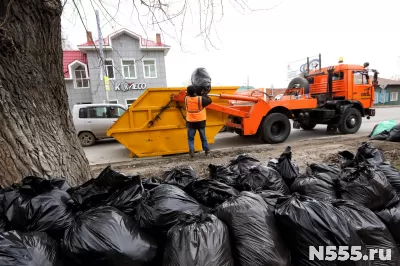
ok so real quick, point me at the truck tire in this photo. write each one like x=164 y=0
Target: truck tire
x=87 y=139
x=302 y=82
x=350 y=122
x=275 y=128
x=308 y=126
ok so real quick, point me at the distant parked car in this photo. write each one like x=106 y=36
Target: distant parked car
x=93 y=120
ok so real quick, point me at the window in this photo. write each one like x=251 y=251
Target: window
x=394 y=96
x=149 y=68
x=97 y=112
x=129 y=69
x=129 y=102
x=116 y=111
x=113 y=101
x=81 y=80
x=83 y=113
x=109 y=68
x=338 y=76
x=360 y=79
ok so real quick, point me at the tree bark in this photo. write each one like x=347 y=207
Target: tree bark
x=37 y=135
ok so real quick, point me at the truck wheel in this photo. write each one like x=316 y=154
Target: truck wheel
x=350 y=122
x=308 y=126
x=275 y=128
x=87 y=139
x=301 y=82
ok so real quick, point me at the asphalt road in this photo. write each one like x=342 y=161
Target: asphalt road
x=110 y=151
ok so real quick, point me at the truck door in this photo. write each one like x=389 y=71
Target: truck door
x=362 y=89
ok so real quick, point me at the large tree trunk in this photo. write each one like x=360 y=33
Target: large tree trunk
x=37 y=135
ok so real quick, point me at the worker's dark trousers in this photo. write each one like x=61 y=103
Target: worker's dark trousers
x=192 y=134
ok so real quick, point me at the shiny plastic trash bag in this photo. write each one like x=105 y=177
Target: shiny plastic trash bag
x=222 y=174
x=270 y=197
x=262 y=178
x=242 y=163
x=38 y=205
x=179 y=176
x=382 y=126
x=110 y=188
x=367 y=186
x=306 y=222
x=371 y=230
x=318 y=185
x=201 y=78
x=391 y=218
x=392 y=175
x=394 y=134
x=198 y=241
x=210 y=192
x=104 y=236
x=332 y=170
x=367 y=153
x=255 y=238
x=28 y=249
x=164 y=206
x=150 y=183
x=288 y=169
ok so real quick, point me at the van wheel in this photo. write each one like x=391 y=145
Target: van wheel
x=350 y=122
x=275 y=128
x=87 y=139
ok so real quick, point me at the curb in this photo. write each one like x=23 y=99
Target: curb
x=138 y=162
x=385 y=106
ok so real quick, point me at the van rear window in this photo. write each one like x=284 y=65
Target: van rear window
x=83 y=113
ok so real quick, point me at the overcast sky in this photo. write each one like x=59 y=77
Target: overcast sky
x=260 y=44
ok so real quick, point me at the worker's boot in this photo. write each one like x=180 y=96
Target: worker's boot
x=207 y=152
x=191 y=153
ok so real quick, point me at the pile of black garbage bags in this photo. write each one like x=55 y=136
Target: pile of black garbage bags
x=246 y=213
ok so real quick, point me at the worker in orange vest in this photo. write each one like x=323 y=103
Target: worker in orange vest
x=196 y=118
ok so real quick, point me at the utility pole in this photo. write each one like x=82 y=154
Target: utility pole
x=102 y=67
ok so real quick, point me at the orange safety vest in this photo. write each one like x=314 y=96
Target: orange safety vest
x=194 y=109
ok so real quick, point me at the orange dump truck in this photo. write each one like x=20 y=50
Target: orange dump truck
x=336 y=96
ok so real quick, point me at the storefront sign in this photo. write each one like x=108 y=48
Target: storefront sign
x=127 y=86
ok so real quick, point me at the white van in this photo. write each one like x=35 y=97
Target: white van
x=93 y=120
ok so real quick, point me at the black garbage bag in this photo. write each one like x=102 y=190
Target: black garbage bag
x=179 y=176
x=210 y=192
x=367 y=153
x=391 y=218
x=332 y=170
x=318 y=186
x=28 y=249
x=164 y=206
x=3 y=218
x=222 y=174
x=371 y=230
x=392 y=175
x=201 y=78
x=37 y=205
x=270 y=197
x=367 y=186
x=262 y=178
x=307 y=223
x=150 y=183
x=381 y=136
x=199 y=241
x=106 y=236
x=346 y=159
x=255 y=238
x=288 y=169
x=242 y=163
x=110 y=188
x=273 y=163
x=394 y=134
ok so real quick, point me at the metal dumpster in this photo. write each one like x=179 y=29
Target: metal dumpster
x=144 y=135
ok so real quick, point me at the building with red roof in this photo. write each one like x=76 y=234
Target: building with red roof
x=131 y=63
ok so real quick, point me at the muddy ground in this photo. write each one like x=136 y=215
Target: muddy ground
x=321 y=150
